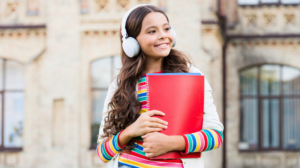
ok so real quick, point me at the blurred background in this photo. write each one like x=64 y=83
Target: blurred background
x=58 y=57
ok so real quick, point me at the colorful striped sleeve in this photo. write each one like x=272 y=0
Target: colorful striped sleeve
x=204 y=140
x=109 y=147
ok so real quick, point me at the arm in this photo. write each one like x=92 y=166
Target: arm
x=109 y=147
x=205 y=140
x=211 y=136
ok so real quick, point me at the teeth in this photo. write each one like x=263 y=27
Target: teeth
x=162 y=45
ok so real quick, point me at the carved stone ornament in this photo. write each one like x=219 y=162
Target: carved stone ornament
x=270 y=20
x=123 y=3
x=251 y=20
x=101 y=4
x=290 y=19
x=144 y=1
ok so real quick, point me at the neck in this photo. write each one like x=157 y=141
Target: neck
x=153 y=65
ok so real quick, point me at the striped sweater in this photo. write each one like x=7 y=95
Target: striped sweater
x=204 y=140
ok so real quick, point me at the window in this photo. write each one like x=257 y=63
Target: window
x=84 y=6
x=162 y=4
x=33 y=7
x=270 y=108
x=12 y=105
x=103 y=71
x=266 y=2
x=248 y=2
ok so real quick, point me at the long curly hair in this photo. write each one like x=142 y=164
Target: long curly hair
x=124 y=105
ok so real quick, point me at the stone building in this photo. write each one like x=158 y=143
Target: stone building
x=58 y=57
x=262 y=62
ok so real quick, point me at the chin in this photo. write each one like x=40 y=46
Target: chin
x=163 y=54
x=166 y=53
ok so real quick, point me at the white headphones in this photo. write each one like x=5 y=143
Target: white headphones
x=130 y=45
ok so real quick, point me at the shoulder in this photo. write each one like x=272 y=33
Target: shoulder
x=194 y=69
x=113 y=85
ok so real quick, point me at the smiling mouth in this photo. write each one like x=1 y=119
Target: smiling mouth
x=162 y=45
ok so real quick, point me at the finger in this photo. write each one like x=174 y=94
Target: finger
x=155 y=112
x=156 y=125
x=146 y=150
x=144 y=136
x=149 y=155
x=147 y=135
x=150 y=130
x=146 y=144
x=157 y=120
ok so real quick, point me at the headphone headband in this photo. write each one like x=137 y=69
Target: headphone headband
x=124 y=20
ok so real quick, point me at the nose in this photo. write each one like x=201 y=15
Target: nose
x=162 y=34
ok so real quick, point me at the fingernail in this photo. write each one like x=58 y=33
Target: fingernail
x=166 y=123
x=166 y=126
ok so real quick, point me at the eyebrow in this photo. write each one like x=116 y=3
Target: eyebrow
x=155 y=26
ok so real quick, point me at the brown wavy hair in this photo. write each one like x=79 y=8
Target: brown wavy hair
x=124 y=105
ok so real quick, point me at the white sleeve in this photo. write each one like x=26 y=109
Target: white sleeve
x=111 y=90
x=211 y=118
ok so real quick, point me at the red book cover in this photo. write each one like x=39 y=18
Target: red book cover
x=181 y=97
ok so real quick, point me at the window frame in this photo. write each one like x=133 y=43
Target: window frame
x=2 y=94
x=260 y=97
x=93 y=147
x=260 y=3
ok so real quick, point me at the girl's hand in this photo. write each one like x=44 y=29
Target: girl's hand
x=146 y=124
x=156 y=144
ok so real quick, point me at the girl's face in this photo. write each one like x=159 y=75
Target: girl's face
x=155 y=38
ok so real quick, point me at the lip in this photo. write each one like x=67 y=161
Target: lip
x=156 y=46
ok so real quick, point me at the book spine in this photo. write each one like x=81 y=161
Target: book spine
x=148 y=97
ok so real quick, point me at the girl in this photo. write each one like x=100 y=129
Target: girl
x=128 y=135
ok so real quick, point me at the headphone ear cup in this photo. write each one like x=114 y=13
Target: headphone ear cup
x=130 y=46
x=174 y=37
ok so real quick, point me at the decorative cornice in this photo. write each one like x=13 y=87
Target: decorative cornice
x=99 y=33
x=22 y=33
x=264 y=42
x=22 y=27
x=268 y=5
x=265 y=36
x=100 y=21
x=209 y=22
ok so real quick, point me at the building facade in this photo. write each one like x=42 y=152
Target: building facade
x=58 y=57
x=261 y=51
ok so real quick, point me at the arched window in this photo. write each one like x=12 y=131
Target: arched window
x=103 y=71
x=11 y=105
x=270 y=108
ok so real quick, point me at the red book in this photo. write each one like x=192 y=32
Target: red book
x=181 y=97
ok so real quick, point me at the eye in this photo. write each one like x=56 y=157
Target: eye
x=167 y=28
x=152 y=31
